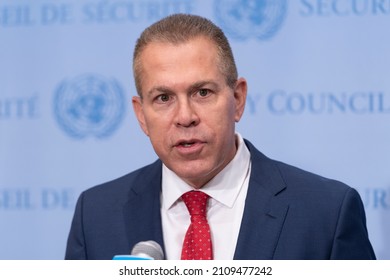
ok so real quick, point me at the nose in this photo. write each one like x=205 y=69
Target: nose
x=186 y=115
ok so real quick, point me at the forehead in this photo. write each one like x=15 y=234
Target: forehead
x=187 y=62
x=200 y=48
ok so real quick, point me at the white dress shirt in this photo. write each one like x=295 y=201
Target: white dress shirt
x=227 y=191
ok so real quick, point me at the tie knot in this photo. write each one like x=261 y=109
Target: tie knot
x=196 y=202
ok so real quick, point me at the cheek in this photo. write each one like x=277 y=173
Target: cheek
x=221 y=124
x=158 y=136
x=227 y=112
x=158 y=126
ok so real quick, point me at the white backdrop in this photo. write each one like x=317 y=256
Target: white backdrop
x=319 y=98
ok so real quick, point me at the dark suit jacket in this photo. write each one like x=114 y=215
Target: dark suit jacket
x=289 y=214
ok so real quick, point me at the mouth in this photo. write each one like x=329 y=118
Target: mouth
x=190 y=145
x=186 y=144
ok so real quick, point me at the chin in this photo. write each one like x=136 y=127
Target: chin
x=194 y=178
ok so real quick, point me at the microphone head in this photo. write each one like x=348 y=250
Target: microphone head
x=149 y=249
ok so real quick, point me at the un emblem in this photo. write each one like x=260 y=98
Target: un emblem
x=243 y=19
x=89 y=105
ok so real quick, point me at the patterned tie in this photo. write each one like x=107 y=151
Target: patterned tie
x=197 y=242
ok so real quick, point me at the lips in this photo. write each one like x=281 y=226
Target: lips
x=186 y=143
x=189 y=146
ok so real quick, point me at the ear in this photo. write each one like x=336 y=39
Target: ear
x=240 y=91
x=139 y=113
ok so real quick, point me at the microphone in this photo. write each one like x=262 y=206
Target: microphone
x=144 y=250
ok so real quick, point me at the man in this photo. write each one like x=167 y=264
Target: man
x=189 y=99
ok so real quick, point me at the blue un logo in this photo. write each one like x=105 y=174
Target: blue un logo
x=89 y=105
x=243 y=19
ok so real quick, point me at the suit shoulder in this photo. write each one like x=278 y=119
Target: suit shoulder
x=314 y=191
x=134 y=181
x=292 y=177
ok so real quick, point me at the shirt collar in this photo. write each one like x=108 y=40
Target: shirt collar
x=224 y=187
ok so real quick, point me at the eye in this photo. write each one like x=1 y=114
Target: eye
x=163 y=98
x=203 y=92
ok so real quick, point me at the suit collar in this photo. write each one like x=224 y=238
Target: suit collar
x=141 y=213
x=265 y=172
x=264 y=212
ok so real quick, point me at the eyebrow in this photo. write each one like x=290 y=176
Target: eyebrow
x=195 y=86
x=202 y=84
x=159 y=89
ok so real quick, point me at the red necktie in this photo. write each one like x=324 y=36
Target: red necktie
x=197 y=242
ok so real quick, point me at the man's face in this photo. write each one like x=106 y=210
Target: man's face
x=187 y=110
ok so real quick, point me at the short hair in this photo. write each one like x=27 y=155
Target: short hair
x=180 y=28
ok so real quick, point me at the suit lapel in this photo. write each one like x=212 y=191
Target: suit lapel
x=263 y=217
x=141 y=213
x=264 y=212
